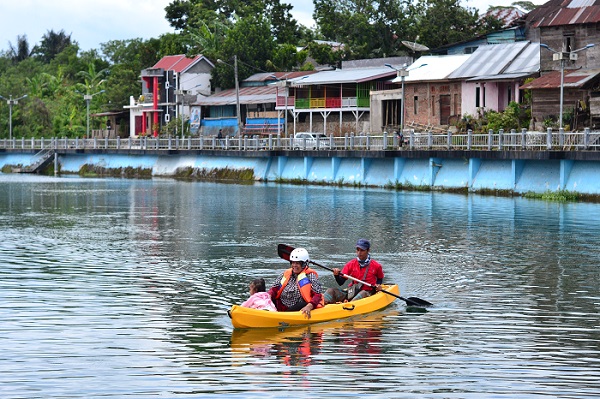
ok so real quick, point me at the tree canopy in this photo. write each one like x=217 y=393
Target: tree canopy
x=261 y=34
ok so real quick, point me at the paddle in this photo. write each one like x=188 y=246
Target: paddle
x=284 y=252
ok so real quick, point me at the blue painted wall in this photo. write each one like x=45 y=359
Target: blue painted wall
x=520 y=176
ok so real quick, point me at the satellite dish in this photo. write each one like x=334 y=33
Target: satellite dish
x=414 y=46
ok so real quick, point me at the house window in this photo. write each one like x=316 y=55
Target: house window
x=568 y=41
x=509 y=95
x=432 y=105
x=483 y=96
x=416 y=105
x=477 y=96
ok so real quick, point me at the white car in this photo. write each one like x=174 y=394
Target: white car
x=308 y=141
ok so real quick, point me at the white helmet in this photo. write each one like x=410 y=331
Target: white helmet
x=299 y=255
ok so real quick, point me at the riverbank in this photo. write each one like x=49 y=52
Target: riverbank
x=562 y=175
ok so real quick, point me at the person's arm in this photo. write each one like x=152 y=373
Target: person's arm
x=338 y=277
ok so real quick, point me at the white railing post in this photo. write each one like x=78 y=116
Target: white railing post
x=449 y=139
x=469 y=139
x=561 y=137
x=549 y=139
x=490 y=139
x=586 y=138
x=523 y=138
x=500 y=139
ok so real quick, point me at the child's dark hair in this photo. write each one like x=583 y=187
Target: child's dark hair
x=259 y=284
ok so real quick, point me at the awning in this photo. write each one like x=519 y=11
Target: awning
x=501 y=77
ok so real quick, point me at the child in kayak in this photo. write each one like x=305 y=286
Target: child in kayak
x=259 y=299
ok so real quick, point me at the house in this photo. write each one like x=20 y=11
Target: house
x=491 y=77
x=336 y=102
x=439 y=89
x=168 y=89
x=431 y=98
x=257 y=97
x=509 y=35
x=333 y=102
x=570 y=71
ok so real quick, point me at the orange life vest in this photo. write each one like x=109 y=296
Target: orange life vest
x=304 y=284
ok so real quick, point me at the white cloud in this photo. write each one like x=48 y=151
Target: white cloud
x=88 y=22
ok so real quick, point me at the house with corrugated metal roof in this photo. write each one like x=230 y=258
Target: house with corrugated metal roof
x=168 y=89
x=258 y=99
x=431 y=98
x=491 y=77
x=567 y=27
x=333 y=102
x=439 y=90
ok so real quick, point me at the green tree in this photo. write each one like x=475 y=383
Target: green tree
x=52 y=44
x=126 y=59
x=444 y=22
x=188 y=15
x=20 y=51
x=367 y=29
x=250 y=41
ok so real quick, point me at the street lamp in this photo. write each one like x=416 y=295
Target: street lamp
x=10 y=101
x=563 y=56
x=237 y=91
x=88 y=98
x=402 y=73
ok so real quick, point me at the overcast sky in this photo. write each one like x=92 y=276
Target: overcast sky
x=91 y=22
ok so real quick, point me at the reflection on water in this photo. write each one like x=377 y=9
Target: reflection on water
x=119 y=288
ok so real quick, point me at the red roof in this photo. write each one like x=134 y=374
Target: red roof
x=177 y=63
x=573 y=79
x=565 y=12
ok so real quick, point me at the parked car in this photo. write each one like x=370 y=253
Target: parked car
x=308 y=140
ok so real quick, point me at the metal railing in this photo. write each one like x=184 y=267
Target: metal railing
x=492 y=141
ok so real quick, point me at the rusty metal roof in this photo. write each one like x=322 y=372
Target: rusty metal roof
x=248 y=95
x=575 y=79
x=564 y=12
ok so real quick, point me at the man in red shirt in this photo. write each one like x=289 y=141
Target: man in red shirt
x=363 y=268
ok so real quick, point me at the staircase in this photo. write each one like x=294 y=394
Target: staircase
x=39 y=161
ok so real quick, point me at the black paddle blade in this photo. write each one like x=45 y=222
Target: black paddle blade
x=284 y=251
x=414 y=301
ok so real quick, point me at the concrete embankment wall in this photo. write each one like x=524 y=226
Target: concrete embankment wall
x=519 y=172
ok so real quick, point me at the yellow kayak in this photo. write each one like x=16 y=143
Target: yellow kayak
x=252 y=318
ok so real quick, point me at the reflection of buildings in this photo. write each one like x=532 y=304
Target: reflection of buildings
x=358 y=341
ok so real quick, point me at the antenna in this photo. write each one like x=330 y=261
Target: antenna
x=414 y=46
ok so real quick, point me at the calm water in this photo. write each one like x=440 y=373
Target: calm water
x=119 y=289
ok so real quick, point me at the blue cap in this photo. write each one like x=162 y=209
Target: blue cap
x=363 y=244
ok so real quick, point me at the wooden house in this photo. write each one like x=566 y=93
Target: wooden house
x=566 y=27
